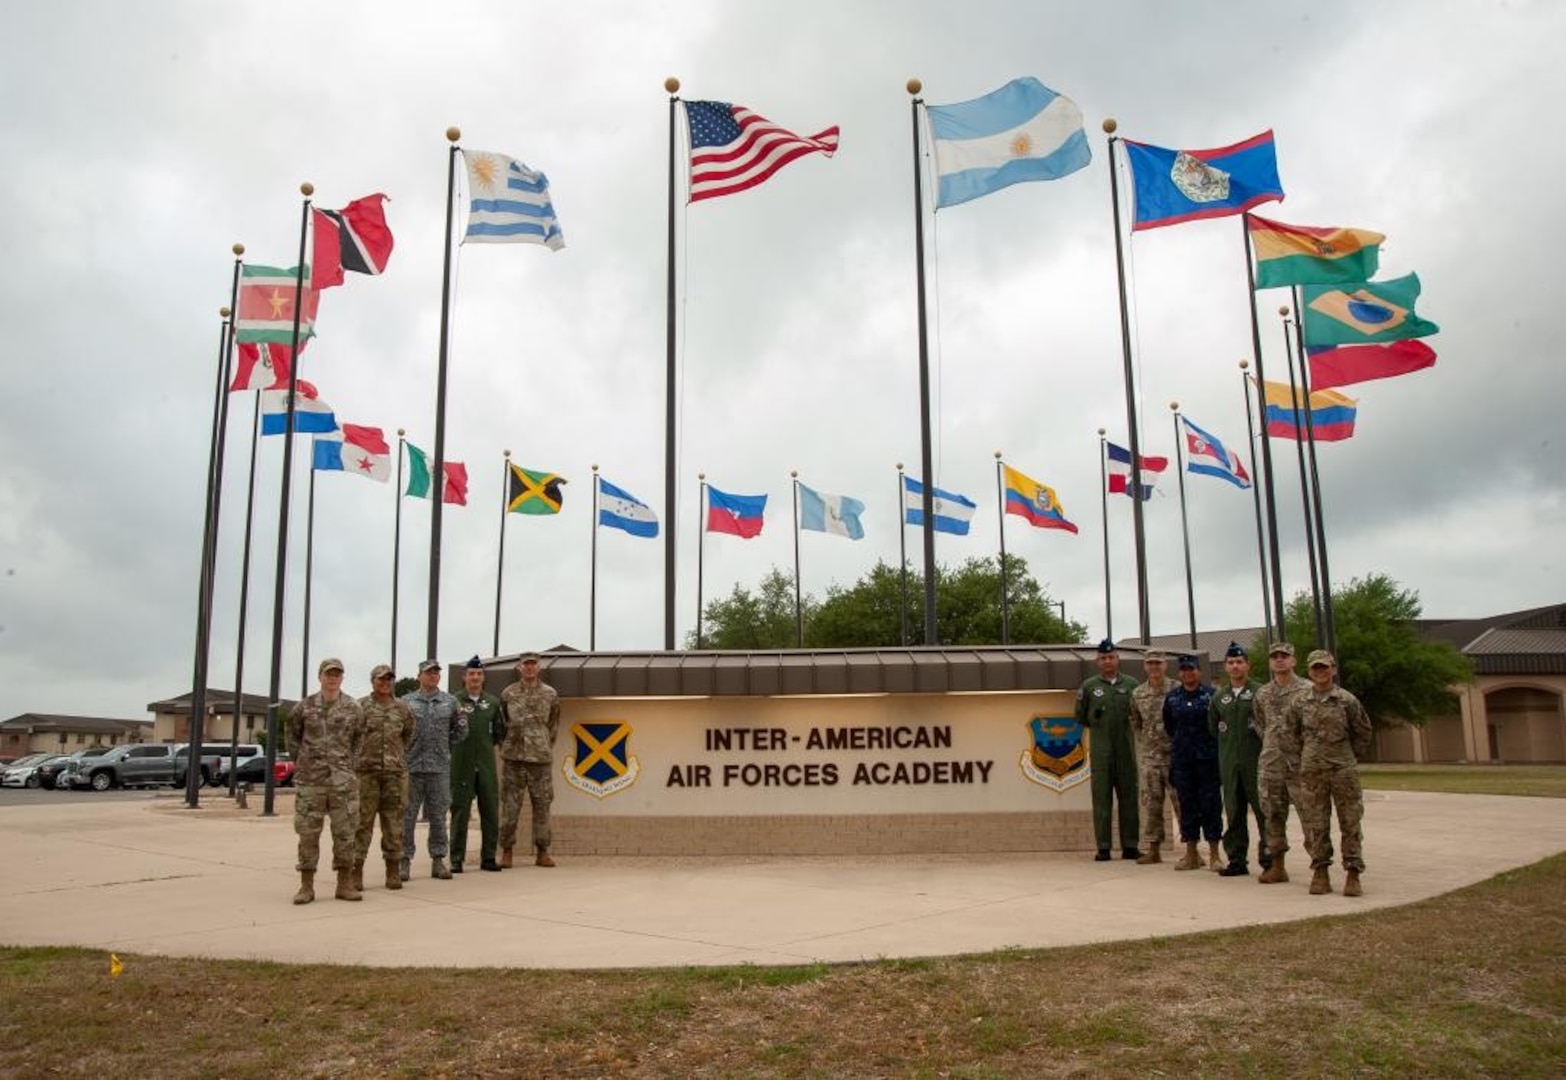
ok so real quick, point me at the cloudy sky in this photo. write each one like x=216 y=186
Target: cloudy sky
x=141 y=141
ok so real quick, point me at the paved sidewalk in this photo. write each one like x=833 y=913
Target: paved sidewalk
x=216 y=882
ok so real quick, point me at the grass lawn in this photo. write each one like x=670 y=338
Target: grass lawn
x=1471 y=984
x=1549 y=780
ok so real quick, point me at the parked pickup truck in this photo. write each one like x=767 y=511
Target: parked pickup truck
x=133 y=765
x=215 y=761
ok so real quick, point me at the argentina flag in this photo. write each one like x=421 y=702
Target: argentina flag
x=1023 y=131
x=508 y=203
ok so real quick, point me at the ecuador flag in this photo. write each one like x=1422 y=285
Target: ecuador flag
x=1027 y=498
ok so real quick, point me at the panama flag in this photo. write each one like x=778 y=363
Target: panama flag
x=1120 y=471
x=358 y=450
x=619 y=509
x=312 y=416
x=1206 y=455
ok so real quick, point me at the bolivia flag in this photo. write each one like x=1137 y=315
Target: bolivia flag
x=1312 y=255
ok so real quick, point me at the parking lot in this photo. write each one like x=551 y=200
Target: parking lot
x=15 y=796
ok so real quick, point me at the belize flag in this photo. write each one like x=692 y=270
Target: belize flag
x=737 y=515
x=358 y=450
x=1173 y=186
x=1120 y=471
x=1209 y=457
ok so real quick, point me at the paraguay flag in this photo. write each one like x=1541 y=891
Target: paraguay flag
x=312 y=416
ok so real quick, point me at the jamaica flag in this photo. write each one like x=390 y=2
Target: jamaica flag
x=529 y=492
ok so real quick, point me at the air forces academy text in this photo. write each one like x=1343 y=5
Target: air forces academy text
x=831 y=773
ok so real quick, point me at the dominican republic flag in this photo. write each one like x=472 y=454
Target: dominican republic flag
x=358 y=450
x=619 y=509
x=738 y=515
x=1206 y=455
x=312 y=416
x=354 y=238
x=1120 y=471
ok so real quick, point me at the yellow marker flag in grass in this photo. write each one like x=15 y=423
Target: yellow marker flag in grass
x=115 y=967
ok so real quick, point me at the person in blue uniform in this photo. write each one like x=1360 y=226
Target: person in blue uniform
x=1193 y=765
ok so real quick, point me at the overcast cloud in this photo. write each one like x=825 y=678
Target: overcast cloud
x=141 y=141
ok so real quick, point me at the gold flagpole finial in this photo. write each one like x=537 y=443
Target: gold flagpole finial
x=453 y=133
x=1110 y=126
x=914 y=86
x=224 y=312
x=672 y=85
x=307 y=189
x=239 y=249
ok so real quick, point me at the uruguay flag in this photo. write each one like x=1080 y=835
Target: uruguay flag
x=953 y=513
x=619 y=509
x=1023 y=131
x=358 y=450
x=835 y=514
x=312 y=416
x=1206 y=455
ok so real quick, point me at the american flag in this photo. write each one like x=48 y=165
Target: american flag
x=733 y=149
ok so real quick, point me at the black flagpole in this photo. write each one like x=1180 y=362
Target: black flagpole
x=926 y=454
x=1256 y=499
x=1266 y=441
x=1000 y=503
x=799 y=611
x=902 y=553
x=1103 y=505
x=397 y=547
x=244 y=599
x=1134 y=482
x=500 y=566
x=304 y=648
x=1328 y=618
x=438 y=479
x=592 y=589
x=701 y=546
x=280 y=578
x=671 y=85
x=1185 y=526
x=1299 y=450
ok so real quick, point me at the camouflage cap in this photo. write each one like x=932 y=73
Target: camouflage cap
x=525 y=657
x=331 y=663
x=1283 y=647
x=1155 y=656
x=428 y=665
x=381 y=669
x=1320 y=656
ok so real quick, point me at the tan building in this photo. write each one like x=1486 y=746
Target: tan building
x=48 y=733
x=171 y=717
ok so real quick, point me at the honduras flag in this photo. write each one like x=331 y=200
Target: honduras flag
x=619 y=509
x=835 y=514
x=1023 y=131
x=953 y=513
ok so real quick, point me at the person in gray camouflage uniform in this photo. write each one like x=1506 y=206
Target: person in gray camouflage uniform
x=532 y=714
x=1280 y=757
x=1152 y=754
x=438 y=726
x=1334 y=732
x=322 y=735
x=382 y=766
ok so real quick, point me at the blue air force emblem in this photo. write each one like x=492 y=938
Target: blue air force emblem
x=1056 y=759
x=602 y=764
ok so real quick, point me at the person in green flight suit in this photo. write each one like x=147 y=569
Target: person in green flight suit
x=473 y=770
x=1104 y=708
x=1232 y=719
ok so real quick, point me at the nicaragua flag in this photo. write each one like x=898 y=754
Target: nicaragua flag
x=312 y=416
x=619 y=509
x=835 y=514
x=358 y=450
x=1207 y=456
x=953 y=513
x=1023 y=131
x=508 y=203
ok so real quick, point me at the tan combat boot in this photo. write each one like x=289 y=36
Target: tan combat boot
x=358 y=876
x=1215 y=861
x=306 y=891
x=1320 y=882
x=543 y=858
x=345 y=889
x=1351 y=884
x=439 y=870
x=1150 y=856
x=1275 y=873
x=393 y=874
x=1192 y=860
x=505 y=858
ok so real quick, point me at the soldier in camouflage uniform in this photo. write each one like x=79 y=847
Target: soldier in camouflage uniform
x=1280 y=756
x=323 y=734
x=473 y=770
x=1152 y=754
x=382 y=766
x=437 y=727
x=1231 y=718
x=1334 y=733
x=532 y=714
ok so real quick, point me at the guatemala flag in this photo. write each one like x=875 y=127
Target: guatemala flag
x=619 y=509
x=1023 y=131
x=953 y=513
x=835 y=514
